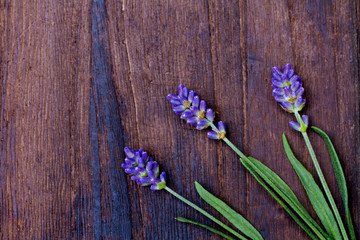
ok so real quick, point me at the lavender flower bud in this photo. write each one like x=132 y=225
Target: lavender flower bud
x=297 y=126
x=202 y=124
x=144 y=169
x=210 y=115
x=287 y=89
x=218 y=133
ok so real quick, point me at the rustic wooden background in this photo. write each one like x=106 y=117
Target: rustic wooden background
x=81 y=79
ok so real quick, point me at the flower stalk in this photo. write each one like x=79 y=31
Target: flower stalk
x=291 y=101
x=288 y=92
x=145 y=172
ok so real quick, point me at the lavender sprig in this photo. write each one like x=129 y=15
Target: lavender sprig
x=291 y=101
x=288 y=91
x=188 y=105
x=145 y=171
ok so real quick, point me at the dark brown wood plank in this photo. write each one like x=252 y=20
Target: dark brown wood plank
x=38 y=181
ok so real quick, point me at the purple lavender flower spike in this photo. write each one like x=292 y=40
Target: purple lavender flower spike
x=144 y=169
x=218 y=133
x=188 y=105
x=287 y=89
x=196 y=112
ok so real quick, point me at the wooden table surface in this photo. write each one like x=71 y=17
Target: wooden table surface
x=82 y=79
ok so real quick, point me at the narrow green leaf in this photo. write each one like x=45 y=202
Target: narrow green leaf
x=291 y=212
x=285 y=192
x=235 y=218
x=340 y=178
x=185 y=220
x=314 y=193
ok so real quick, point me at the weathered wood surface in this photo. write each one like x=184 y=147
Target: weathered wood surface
x=81 y=79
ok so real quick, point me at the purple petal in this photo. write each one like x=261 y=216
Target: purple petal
x=129 y=152
x=276 y=76
x=140 y=169
x=305 y=119
x=124 y=165
x=287 y=68
x=196 y=101
x=171 y=97
x=210 y=114
x=136 y=177
x=194 y=110
x=280 y=99
x=287 y=106
x=277 y=83
x=186 y=114
x=221 y=126
x=213 y=135
x=201 y=124
x=299 y=102
x=192 y=121
x=176 y=101
x=273 y=86
x=290 y=73
x=185 y=92
x=143 y=181
x=180 y=87
x=163 y=177
x=151 y=174
x=191 y=95
x=284 y=78
x=179 y=108
x=155 y=167
x=155 y=180
x=295 y=125
x=149 y=166
x=141 y=162
x=202 y=105
x=276 y=70
x=295 y=86
x=154 y=187
x=287 y=92
x=299 y=92
x=279 y=91
x=131 y=170
x=294 y=79
x=130 y=160
x=145 y=156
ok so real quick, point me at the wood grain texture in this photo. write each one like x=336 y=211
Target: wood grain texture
x=81 y=79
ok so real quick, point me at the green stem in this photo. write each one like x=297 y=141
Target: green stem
x=232 y=146
x=205 y=213
x=242 y=155
x=322 y=178
x=324 y=184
